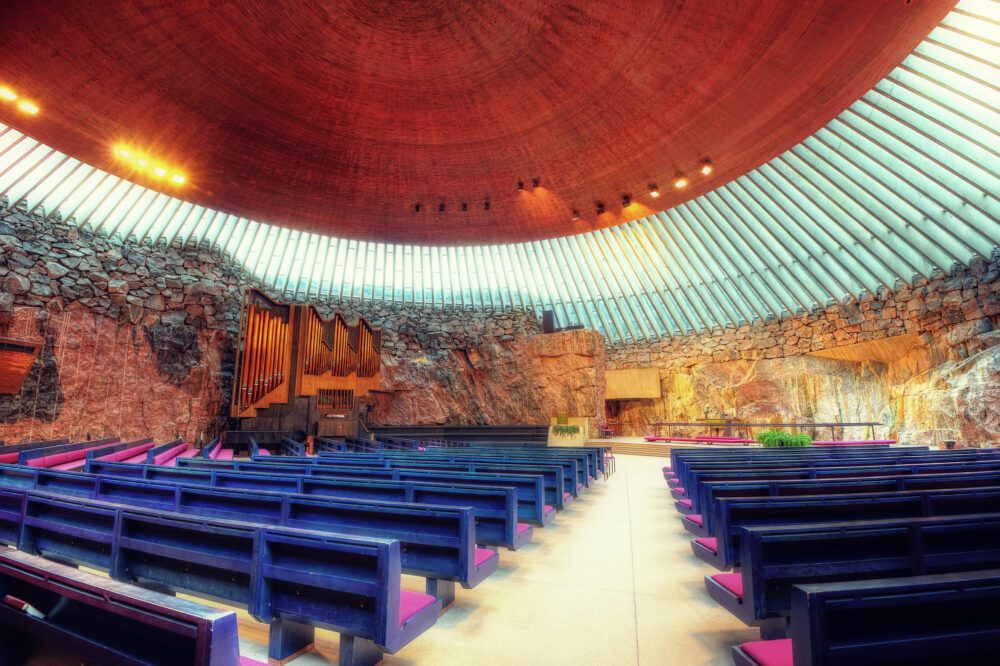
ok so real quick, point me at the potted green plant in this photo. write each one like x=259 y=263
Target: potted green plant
x=772 y=439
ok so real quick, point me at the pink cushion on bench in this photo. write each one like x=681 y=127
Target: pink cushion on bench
x=168 y=455
x=523 y=527
x=549 y=509
x=686 y=502
x=247 y=661
x=580 y=485
x=708 y=542
x=140 y=458
x=680 y=489
x=732 y=582
x=190 y=453
x=770 y=653
x=566 y=497
x=483 y=554
x=225 y=454
x=263 y=452
x=9 y=457
x=410 y=603
x=695 y=518
x=854 y=442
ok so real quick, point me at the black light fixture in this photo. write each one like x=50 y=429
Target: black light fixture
x=520 y=186
x=706 y=167
x=576 y=215
x=599 y=207
x=418 y=207
x=441 y=207
x=465 y=206
x=654 y=190
x=626 y=201
x=487 y=205
x=535 y=182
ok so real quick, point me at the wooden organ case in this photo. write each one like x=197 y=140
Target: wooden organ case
x=296 y=370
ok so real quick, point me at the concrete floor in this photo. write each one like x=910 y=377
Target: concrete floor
x=612 y=581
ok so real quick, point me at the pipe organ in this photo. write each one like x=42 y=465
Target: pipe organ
x=287 y=352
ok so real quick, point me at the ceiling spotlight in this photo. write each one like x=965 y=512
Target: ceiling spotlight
x=706 y=167
x=599 y=207
x=28 y=107
x=680 y=181
x=441 y=207
x=626 y=201
x=535 y=182
x=160 y=172
x=576 y=215
x=465 y=206
x=654 y=191
x=520 y=186
x=7 y=95
x=141 y=162
x=487 y=205
x=178 y=179
x=417 y=207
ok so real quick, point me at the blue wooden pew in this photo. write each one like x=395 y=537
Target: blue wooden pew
x=325 y=444
x=104 y=621
x=851 y=472
x=438 y=541
x=723 y=550
x=294 y=580
x=704 y=524
x=774 y=558
x=495 y=508
x=920 y=620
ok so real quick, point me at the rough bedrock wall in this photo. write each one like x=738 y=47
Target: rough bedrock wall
x=946 y=384
x=138 y=339
x=461 y=366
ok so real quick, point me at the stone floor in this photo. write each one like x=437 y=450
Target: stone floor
x=612 y=581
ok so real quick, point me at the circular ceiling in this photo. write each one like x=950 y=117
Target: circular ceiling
x=341 y=116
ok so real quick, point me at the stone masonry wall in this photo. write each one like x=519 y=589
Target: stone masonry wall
x=941 y=381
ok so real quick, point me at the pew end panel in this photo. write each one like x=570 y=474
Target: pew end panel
x=68 y=531
x=347 y=585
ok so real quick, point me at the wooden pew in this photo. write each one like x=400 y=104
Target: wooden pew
x=704 y=525
x=9 y=453
x=105 y=621
x=774 y=558
x=63 y=454
x=293 y=580
x=134 y=451
x=723 y=551
x=936 y=619
x=852 y=472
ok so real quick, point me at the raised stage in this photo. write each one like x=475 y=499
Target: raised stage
x=638 y=446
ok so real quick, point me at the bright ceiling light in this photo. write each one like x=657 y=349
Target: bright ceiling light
x=28 y=107
x=680 y=182
x=706 y=167
x=160 y=172
x=178 y=178
x=7 y=95
x=654 y=191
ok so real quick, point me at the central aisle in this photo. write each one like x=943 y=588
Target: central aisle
x=612 y=581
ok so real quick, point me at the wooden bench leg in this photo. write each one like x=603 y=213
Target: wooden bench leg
x=441 y=589
x=773 y=629
x=356 y=651
x=288 y=640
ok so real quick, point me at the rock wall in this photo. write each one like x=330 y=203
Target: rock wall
x=139 y=341
x=924 y=360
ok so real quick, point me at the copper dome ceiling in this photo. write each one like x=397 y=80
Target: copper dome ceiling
x=340 y=116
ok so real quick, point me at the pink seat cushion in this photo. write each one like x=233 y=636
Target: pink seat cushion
x=566 y=497
x=686 y=502
x=247 y=661
x=168 y=455
x=694 y=518
x=579 y=485
x=71 y=465
x=770 y=653
x=854 y=442
x=680 y=489
x=225 y=454
x=190 y=453
x=523 y=527
x=549 y=509
x=708 y=542
x=732 y=582
x=410 y=603
x=263 y=452
x=483 y=554
x=140 y=458
x=9 y=457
